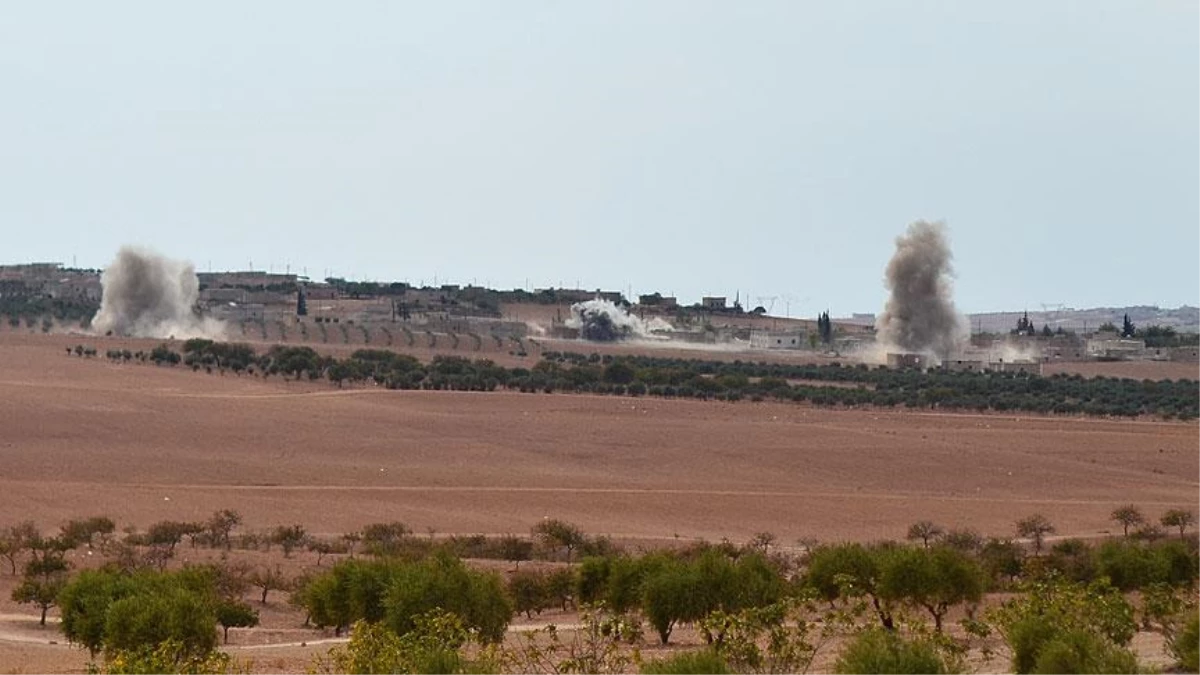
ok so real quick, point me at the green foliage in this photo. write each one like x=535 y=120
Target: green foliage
x=395 y=592
x=882 y=651
x=1051 y=611
x=554 y=533
x=171 y=656
x=683 y=663
x=1185 y=645
x=935 y=579
x=117 y=612
x=1078 y=651
x=45 y=573
x=443 y=582
x=386 y=539
x=432 y=646
x=151 y=618
x=730 y=381
x=678 y=591
x=86 y=531
x=235 y=614
x=1035 y=528
x=1179 y=518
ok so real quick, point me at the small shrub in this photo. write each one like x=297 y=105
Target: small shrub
x=701 y=661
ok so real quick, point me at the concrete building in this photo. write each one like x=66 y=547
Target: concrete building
x=965 y=365
x=714 y=302
x=1022 y=366
x=906 y=360
x=658 y=300
x=778 y=340
x=1115 y=348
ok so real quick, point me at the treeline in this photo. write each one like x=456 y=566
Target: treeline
x=822 y=385
x=36 y=309
x=412 y=602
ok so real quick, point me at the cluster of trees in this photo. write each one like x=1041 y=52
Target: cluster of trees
x=111 y=610
x=396 y=592
x=709 y=380
x=414 y=601
x=825 y=327
x=34 y=307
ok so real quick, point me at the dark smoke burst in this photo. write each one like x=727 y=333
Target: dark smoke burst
x=148 y=295
x=920 y=315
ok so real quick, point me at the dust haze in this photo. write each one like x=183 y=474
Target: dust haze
x=148 y=295
x=603 y=321
x=920 y=315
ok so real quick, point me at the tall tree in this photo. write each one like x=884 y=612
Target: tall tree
x=1127 y=328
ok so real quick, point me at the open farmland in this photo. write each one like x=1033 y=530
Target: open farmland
x=142 y=443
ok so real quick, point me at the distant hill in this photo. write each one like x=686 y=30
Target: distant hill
x=1182 y=319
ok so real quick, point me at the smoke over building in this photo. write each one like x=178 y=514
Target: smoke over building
x=920 y=316
x=604 y=321
x=148 y=295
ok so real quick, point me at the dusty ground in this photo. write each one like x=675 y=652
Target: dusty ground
x=141 y=443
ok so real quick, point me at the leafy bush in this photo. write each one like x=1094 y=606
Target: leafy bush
x=683 y=663
x=1185 y=646
x=883 y=651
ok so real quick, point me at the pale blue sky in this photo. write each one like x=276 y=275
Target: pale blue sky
x=689 y=147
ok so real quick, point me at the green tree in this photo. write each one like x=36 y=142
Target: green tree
x=1050 y=611
x=1180 y=518
x=267 y=579
x=1128 y=516
x=168 y=533
x=14 y=540
x=121 y=613
x=515 y=549
x=444 y=582
x=45 y=574
x=385 y=538
x=528 y=592
x=151 y=618
x=934 y=579
x=1035 y=528
x=289 y=537
x=87 y=531
x=851 y=570
x=1127 y=328
x=669 y=596
x=220 y=525
x=926 y=531
x=235 y=614
x=554 y=533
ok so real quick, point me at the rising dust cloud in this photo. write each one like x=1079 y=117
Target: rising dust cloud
x=148 y=295
x=603 y=321
x=920 y=316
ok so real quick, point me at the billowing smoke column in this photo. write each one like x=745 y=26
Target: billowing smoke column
x=147 y=295
x=604 y=321
x=920 y=316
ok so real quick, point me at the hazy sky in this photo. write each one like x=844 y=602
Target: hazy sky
x=691 y=147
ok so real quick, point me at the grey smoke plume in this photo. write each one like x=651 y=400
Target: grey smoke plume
x=920 y=315
x=148 y=295
x=603 y=321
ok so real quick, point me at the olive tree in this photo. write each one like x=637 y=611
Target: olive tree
x=1035 y=528
x=1128 y=516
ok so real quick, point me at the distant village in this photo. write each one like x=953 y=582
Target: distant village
x=50 y=294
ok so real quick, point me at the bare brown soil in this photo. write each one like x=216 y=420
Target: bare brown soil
x=141 y=443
